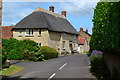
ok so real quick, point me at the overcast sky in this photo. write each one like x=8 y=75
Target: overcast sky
x=79 y=13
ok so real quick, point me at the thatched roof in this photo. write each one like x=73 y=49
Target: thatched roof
x=44 y=19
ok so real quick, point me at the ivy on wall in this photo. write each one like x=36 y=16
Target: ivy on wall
x=106 y=21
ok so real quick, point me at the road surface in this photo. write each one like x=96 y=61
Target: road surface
x=70 y=67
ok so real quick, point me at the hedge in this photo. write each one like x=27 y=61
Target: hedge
x=48 y=52
x=3 y=57
x=106 y=35
x=21 y=49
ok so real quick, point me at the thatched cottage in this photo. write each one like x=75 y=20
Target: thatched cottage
x=47 y=29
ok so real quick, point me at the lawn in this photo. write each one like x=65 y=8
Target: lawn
x=11 y=70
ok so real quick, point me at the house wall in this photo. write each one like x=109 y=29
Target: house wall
x=80 y=48
x=50 y=38
x=84 y=47
x=43 y=39
x=67 y=38
x=56 y=41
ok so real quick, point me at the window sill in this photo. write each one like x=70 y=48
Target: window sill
x=19 y=35
x=29 y=35
x=39 y=35
x=63 y=48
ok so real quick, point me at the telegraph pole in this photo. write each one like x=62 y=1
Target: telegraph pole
x=0 y=24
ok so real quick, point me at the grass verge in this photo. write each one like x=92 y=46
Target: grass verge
x=11 y=70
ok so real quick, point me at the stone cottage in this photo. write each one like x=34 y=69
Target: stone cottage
x=83 y=41
x=47 y=29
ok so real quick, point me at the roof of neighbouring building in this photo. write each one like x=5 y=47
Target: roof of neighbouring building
x=81 y=40
x=6 y=32
x=44 y=19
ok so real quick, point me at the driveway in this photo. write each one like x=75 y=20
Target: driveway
x=72 y=67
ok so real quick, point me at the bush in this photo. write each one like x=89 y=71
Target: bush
x=15 y=55
x=98 y=65
x=48 y=52
x=3 y=56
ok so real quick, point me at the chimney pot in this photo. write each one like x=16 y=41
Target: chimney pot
x=81 y=29
x=92 y=30
x=87 y=30
x=64 y=13
x=51 y=8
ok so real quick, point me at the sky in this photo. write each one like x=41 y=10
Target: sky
x=79 y=13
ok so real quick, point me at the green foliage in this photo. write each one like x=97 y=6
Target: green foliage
x=15 y=55
x=99 y=67
x=22 y=49
x=3 y=56
x=106 y=20
x=48 y=52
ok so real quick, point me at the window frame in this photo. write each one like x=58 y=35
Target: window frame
x=29 y=32
x=39 y=32
x=63 y=44
x=20 y=33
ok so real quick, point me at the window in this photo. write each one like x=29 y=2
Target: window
x=63 y=44
x=39 y=33
x=64 y=34
x=29 y=32
x=39 y=44
x=74 y=36
x=20 y=33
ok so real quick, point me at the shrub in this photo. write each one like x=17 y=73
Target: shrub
x=98 y=65
x=3 y=56
x=48 y=52
x=15 y=55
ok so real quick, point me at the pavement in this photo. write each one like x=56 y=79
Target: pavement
x=69 y=67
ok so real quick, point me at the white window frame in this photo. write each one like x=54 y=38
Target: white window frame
x=20 y=33
x=39 y=44
x=63 y=44
x=29 y=32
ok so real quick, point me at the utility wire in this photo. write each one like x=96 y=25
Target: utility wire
x=78 y=7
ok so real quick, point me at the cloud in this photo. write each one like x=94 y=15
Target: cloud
x=13 y=12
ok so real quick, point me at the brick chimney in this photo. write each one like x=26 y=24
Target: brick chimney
x=64 y=13
x=92 y=30
x=87 y=30
x=51 y=8
x=81 y=29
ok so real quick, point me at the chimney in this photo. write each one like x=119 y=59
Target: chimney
x=87 y=30
x=81 y=29
x=92 y=30
x=51 y=8
x=64 y=13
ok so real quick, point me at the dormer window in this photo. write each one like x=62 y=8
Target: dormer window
x=29 y=32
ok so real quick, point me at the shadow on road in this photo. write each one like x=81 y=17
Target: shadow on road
x=19 y=78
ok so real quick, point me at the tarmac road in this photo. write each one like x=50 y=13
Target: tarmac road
x=70 y=67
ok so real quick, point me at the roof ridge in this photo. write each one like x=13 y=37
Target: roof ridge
x=49 y=12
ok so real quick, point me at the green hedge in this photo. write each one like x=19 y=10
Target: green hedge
x=15 y=55
x=3 y=56
x=106 y=35
x=48 y=52
x=22 y=49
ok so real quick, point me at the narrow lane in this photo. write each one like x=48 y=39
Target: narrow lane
x=72 y=66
